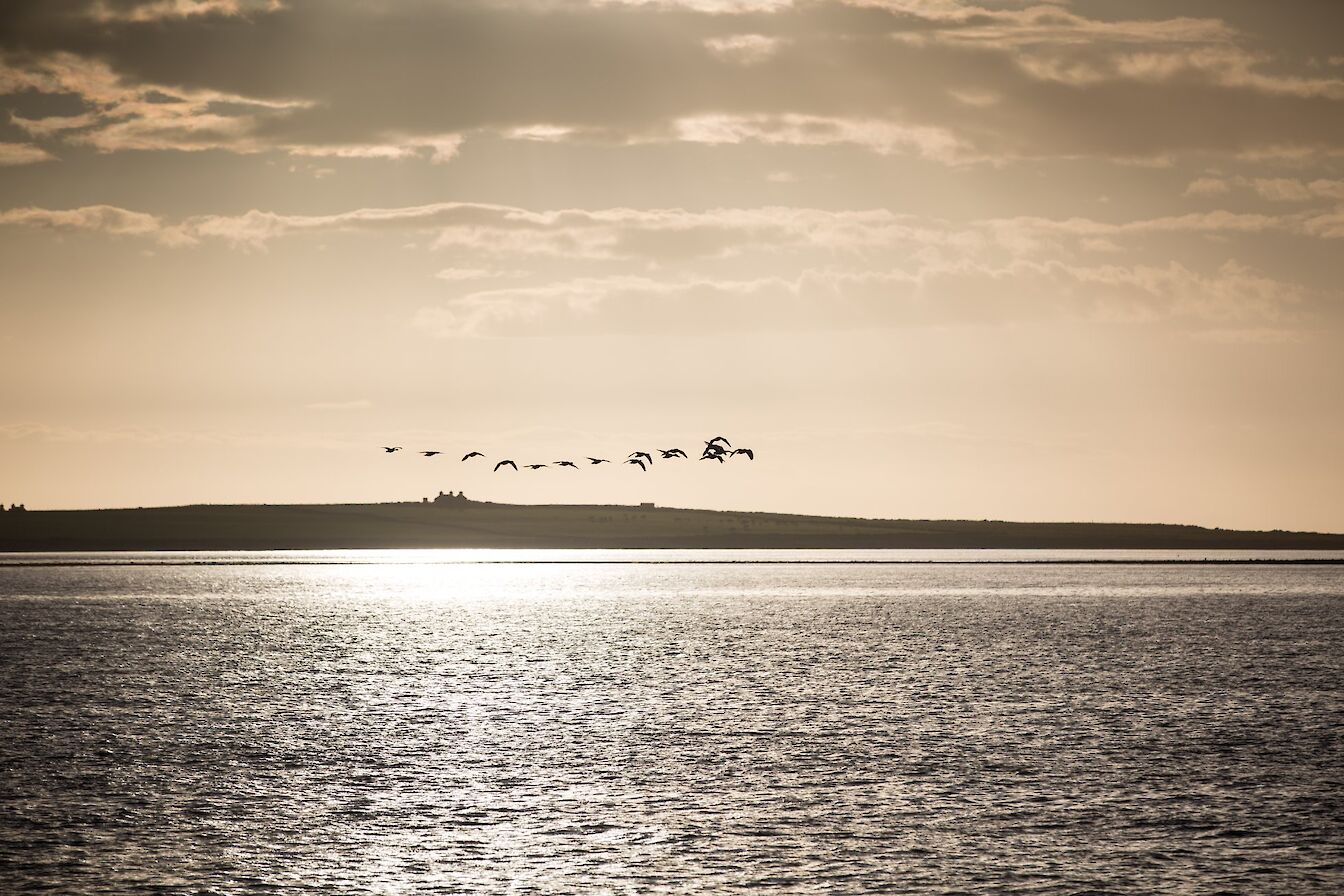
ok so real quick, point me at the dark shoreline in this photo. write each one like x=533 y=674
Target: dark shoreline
x=469 y=524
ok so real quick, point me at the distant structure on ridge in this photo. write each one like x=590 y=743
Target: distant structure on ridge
x=447 y=498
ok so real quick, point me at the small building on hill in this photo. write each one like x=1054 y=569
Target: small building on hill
x=448 y=498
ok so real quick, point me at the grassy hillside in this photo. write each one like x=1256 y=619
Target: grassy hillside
x=264 y=527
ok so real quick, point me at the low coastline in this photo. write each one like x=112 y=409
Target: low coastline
x=487 y=525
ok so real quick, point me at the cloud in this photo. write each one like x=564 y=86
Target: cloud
x=1328 y=226
x=660 y=235
x=103 y=218
x=22 y=154
x=965 y=293
x=110 y=11
x=1290 y=190
x=438 y=148
x=669 y=236
x=626 y=269
x=947 y=82
x=745 y=49
x=1207 y=186
x=151 y=117
x=885 y=137
x=1273 y=189
x=121 y=116
x=1281 y=189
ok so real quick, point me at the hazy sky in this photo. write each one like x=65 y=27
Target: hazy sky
x=1072 y=260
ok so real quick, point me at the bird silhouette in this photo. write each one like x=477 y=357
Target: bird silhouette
x=639 y=463
x=505 y=463
x=643 y=454
x=598 y=460
x=390 y=450
x=671 y=452
x=430 y=453
x=534 y=466
x=472 y=454
x=747 y=451
x=566 y=463
x=713 y=450
x=726 y=443
x=708 y=456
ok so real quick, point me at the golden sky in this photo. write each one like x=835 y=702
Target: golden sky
x=1055 y=260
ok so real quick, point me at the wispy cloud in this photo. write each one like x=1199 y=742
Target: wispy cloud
x=22 y=154
x=966 y=293
x=1273 y=189
x=881 y=136
x=100 y=218
x=663 y=234
x=122 y=115
x=106 y=11
x=948 y=82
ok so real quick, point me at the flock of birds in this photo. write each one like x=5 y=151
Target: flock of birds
x=716 y=449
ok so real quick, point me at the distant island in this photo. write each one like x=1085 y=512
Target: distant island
x=453 y=521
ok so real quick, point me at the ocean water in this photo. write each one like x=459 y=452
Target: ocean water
x=487 y=722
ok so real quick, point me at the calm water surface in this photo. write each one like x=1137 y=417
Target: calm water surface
x=413 y=722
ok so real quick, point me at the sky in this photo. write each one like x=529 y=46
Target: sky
x=1068 y=260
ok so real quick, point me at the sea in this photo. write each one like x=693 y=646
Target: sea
x=406 y=722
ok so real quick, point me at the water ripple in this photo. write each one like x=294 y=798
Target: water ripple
x=647 y=728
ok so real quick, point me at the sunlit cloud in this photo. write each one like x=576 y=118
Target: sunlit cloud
x=747 y=49
x=103 y=218
x=946 y=82
x=1272 y=189
x=155 y=117
x=22 y=154
x=668 y=235
x=161 y=10
x=1207 y=186
x=960 y=293
x=886 y=137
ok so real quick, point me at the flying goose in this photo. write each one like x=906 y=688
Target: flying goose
x=505 y=463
